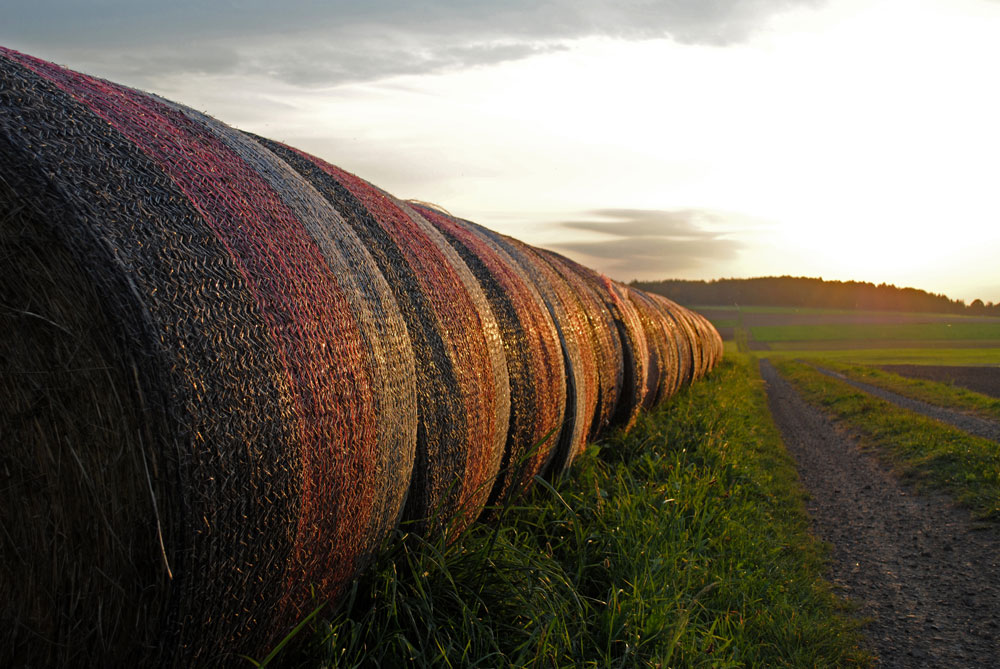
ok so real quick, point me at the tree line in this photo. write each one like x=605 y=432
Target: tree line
x=793 y=291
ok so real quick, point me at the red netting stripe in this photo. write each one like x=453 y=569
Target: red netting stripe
x=380 y=489
x=164 y=271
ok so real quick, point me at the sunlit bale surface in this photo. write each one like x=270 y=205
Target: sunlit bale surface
x=531 y=343
x=578 y=350
x=604 y=337
x=661 y=365
x=229 y=369
x=670 y=352
x=683 y=339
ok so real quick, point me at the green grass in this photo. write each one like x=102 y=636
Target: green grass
x=893 y=356
x=957 y=331
x=682 y=544
x=928 y=451
x=932 y=392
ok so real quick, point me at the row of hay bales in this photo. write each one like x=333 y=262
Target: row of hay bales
x=229 y=369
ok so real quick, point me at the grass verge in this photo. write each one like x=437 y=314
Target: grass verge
x=932 y=392
x=684 y=543
x=931 y=452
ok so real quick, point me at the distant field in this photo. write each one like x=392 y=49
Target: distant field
x=894 y=356
x=981 y=333
x=865 y=337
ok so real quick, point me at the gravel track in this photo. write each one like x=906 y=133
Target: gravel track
x=976 y=426
x=926 y=575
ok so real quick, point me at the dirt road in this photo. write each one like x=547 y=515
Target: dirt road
x=927 y=576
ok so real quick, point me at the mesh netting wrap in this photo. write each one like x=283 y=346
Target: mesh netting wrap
x=670 y=350
x=229 y=369
x=604 y=337
x=282 y=406
x=464 y=405
x=577 y=347
x=534 y=356
x=711 y=342
x=662 y=367
x=682 y=338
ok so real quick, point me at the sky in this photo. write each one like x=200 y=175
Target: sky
x=696 y=139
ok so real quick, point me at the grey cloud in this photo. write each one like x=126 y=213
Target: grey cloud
x=324 y=43
x=319 y=65
x=644 y=243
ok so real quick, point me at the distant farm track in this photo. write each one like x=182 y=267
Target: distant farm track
x=919 y=567
x=230 y=369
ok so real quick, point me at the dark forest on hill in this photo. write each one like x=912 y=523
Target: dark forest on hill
x=790 y=291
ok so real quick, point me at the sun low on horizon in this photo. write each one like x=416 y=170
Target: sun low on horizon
x=847 y=139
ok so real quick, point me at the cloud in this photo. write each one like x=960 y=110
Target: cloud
x=316 y=43
x=649 y=243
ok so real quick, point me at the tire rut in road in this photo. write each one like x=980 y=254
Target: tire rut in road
x=927 y=576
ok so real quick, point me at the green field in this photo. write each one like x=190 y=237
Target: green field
x=939 y=394
x=892 y=356
x=862 y=337
x=905 y=332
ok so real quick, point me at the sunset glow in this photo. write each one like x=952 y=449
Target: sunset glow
x=851 y=139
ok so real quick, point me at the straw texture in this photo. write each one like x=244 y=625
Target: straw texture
x=230 y=368
x=276 y=424
x=662 y=365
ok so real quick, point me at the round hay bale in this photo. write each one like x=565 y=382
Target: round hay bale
x=534 y=356
x=686 y=345
x=464 y=392
x=82 y=572
x=635 y=351
x=670 y=380
x=229 y=368
x=713 y=339
x=603 y=334
x=661 y=365
x=633 y=344
x=578 y=351
x=272 y=466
